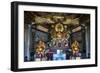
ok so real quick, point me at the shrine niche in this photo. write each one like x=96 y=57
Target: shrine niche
x=57 y=36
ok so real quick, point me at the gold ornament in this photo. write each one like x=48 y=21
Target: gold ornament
x=40 y=47
x=59 y=27
x=75 y=46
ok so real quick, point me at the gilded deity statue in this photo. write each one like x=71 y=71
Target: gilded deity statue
x=75 y=48
x=40 y=49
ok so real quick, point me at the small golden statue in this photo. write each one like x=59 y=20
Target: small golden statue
x=75 y=47
x=40 y=47
x=59 y=27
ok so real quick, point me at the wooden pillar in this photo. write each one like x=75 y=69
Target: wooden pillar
x=83 y=41
x=28 y=42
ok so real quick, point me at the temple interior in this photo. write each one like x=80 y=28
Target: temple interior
x=50 y=36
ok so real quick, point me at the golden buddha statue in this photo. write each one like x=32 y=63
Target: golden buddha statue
x=75 y=47
x=59 y=28
x=40 y=47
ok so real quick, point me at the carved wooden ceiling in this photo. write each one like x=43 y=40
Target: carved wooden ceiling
x=69 y=19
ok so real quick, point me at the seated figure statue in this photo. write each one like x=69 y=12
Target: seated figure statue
x=40 y=50
x=75 y=50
